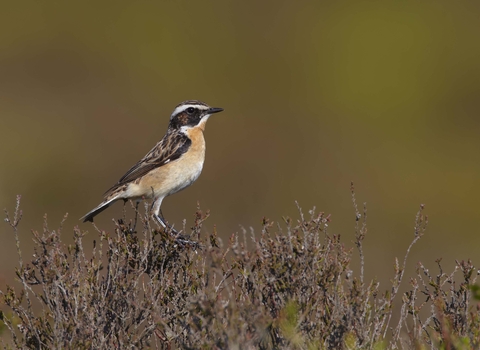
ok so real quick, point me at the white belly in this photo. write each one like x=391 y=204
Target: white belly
x=182 y=177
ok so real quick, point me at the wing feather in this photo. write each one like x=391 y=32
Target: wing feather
x=170 y=148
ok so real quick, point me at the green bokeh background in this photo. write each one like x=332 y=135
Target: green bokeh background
x=316 y=94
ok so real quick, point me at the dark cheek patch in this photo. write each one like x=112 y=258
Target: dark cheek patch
x=190 y=120
x=185 y=119
x=193 y=120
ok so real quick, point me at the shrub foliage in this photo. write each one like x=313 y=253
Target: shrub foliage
x=289 y=286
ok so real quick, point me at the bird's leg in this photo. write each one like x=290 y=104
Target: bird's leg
x=165 y=222
x=158 y=216
x=161 y=220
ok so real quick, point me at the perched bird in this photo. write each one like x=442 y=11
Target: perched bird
x=172 y=165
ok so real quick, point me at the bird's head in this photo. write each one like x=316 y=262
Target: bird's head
x=191 y=114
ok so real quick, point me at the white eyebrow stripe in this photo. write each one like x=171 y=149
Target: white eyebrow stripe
x=183 y=108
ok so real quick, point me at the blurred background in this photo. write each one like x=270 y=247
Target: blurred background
x=316 y=95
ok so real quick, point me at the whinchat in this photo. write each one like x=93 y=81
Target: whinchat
x=172 y=165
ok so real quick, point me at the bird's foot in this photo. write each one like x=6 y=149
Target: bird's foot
x=184 y=240
x=180 y=239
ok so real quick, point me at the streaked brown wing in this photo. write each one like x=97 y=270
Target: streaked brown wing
x=170 y=148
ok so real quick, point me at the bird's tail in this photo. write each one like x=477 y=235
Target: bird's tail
x=101 y=207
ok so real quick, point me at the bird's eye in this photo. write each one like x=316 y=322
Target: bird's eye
x=190 y=110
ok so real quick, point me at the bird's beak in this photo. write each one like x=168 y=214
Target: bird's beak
x=214 y=110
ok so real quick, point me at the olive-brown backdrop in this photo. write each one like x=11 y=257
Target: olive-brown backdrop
x=316 y=94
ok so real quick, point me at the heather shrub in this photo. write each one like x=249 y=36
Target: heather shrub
x=288 y=286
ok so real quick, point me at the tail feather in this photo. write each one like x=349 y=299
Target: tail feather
x=101 y=207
